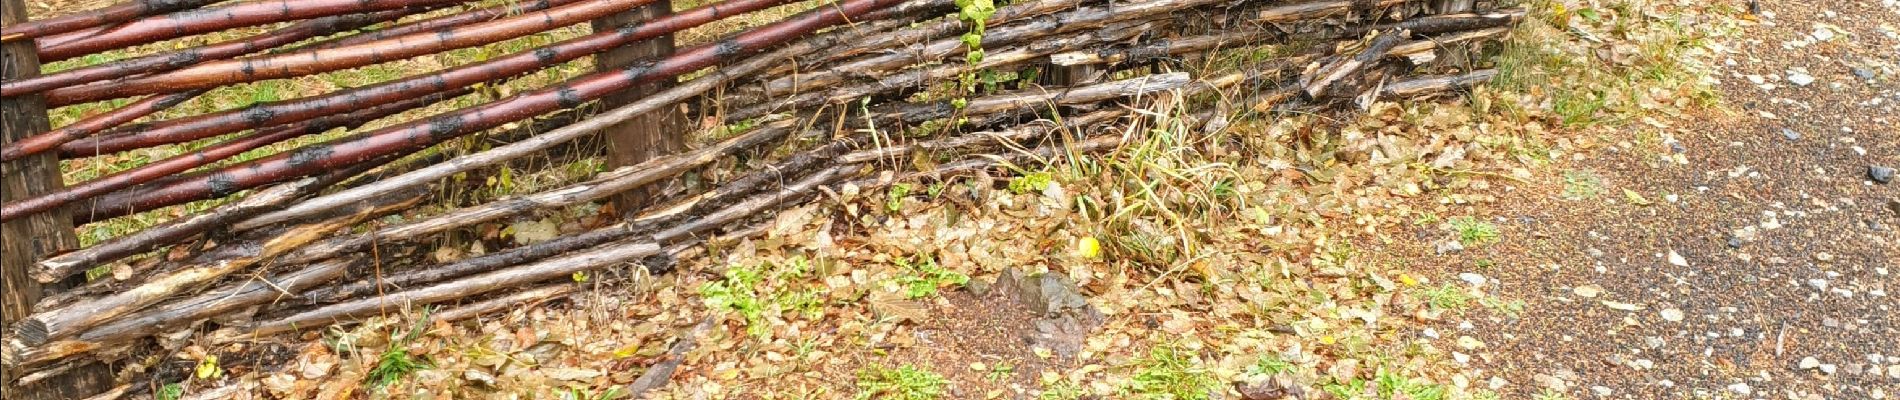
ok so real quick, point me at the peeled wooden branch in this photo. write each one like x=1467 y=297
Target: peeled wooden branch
x=1060 y=23
x=87 y=127
x=920 y=78
x=183 y=58
x=260 y=115
x=1436 y=84
x=1320 y=9
x=308 y=62
x=1341 y=68
x=97 y=18
x=207 y=156
x=1157 y=49
x=176 y=314
x=559 y=267
x=66 y=321
x=212 y=19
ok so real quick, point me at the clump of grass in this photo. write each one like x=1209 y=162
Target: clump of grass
x=1170 y=372
x=1472 y=231
x=1446 y=297
x=171 y=391
x=921 y=277
x=1550 y=394
x=742 y=291
x=905 y=382
x=1395 y=386
x=395 y=363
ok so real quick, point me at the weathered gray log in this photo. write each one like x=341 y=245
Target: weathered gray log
x=47 y=325
x=1436 y=84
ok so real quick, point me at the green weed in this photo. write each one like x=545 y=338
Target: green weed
x=902 y=383
x=1472 y=231
x=1446 y=297
x=171 y=391
x=1172 y=373
x=921 y=277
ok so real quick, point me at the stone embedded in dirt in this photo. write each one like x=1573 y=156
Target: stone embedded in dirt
x=1790 y=134
x=1894 y=205
x=1734 y=242
x=1799 y=78
x=1472 y=278
x=1823 y=256
x=1880 y=174
x=1602 y=391
x=1677 y=260
x=1672 y=315
x=1809 y=363
x=1587 y=291
x=1741 y=388
x=1067 y=316
x=1863 y=73
x=1449 y=246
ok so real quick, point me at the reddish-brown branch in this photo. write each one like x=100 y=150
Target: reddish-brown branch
x=208 y=155
x=420 y=134
x=225 y=72
x=97 y=18
x=184 y=58
x=212 y=19
x=261 y=115
x=87 y=127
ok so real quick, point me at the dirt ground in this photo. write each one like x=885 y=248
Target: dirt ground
x=1753 y=258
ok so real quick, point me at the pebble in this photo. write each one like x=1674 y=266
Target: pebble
x=1809 y=363
x=1800 y=78
x=1741 y=388
x=1734 y=242
x=1880 y=174
x=1672 y=315
x=1602 y=391
x=1790 y=134
x=1823 y=256
x=1430 y=333
x=1472 y=278
x=1818 y=284
x=1864 y=73
x=1827 y=369
x=1587 y=291
x=1677 y=260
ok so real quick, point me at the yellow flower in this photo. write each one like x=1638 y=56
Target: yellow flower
x=1088 y=248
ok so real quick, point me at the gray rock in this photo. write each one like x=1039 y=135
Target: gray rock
x=1741 y=388
x=1864 y=73
x=1880 y=174
x=1790 y=134
x=1734 y=242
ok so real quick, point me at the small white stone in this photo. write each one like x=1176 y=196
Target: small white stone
x=1472 y=278
x=1672 y=315
x=1828 y=369
x=1809 y=363
x=1601 y=391
x=1430 y=333
x=1800 y=78
x=1741 y=388
x=1677 y=260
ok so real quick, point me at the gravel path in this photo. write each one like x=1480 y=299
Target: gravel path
x=1761 y=269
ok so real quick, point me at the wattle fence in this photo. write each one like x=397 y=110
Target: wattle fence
x=301 y=237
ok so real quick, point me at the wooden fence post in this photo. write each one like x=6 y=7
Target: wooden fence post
x=26 y=240
x=648 y=136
